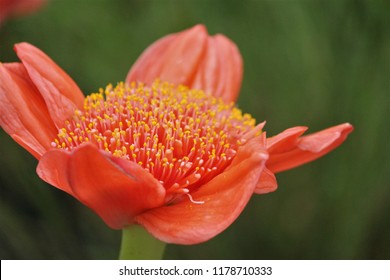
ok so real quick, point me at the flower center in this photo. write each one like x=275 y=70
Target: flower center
x=183 y=137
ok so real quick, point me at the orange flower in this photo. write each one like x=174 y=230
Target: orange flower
x=18 y=7
x=180 y=160
x=214 y=64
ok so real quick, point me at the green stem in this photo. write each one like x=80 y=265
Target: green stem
x=138 y=244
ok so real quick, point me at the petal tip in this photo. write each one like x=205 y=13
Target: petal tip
x=348 y=127
x=199 y=28
x=22 y=46
x=307 y=148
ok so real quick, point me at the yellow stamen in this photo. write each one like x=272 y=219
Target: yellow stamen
x=179 y=135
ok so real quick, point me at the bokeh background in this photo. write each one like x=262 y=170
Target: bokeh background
x=314 y=63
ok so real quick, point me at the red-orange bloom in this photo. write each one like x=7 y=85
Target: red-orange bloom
x=176 y=157
x=17 y=7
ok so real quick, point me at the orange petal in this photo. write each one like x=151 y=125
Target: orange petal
x=60 y=92
x=285 y=141
x=254 y=132
x=267 y=182
x=224 y=198
x=195 y=59
x=53 y=168
x=220 y=71
x=116 y=189
x=287 y=150
x=24 y=115
x=174 y=58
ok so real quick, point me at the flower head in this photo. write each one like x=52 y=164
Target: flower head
x=167 y=149
x=182 y=137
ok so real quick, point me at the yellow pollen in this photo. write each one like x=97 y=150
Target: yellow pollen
x=183 y=137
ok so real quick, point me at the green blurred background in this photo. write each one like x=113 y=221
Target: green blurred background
x=314 y=63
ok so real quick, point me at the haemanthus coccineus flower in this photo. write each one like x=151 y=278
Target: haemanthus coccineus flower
x=176 y=156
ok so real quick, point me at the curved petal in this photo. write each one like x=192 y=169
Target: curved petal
x=254 y=132
x=287 y=150
x=148 y=66
x=53 y=168
x=61 y=94
x=173 y=58
x=220 y=71
x=224 y=198
x=285 y=141
x=23 y=112
x=195 y=59
x=267 y=182
x=116 y=189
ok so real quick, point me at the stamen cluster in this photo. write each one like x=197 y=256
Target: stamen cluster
x=183 y=137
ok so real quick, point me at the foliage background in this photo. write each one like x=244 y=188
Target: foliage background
x=315 y=63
